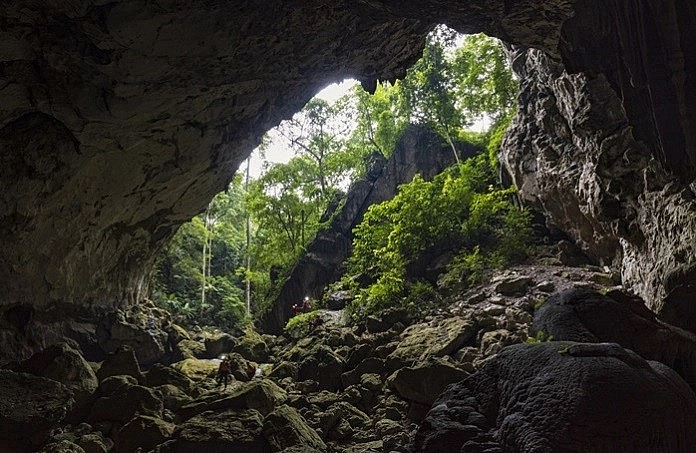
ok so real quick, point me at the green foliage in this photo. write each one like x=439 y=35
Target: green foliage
x=456 y=82
x=301 y=324
x=496 y=135
x=485 y=85
x=540 y=337
x=460 y=208
x=178 y=274
x=379 y=121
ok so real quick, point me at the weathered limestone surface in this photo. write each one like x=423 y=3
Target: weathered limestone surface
x=562 y=397
x=574 y=154
x=120 y=120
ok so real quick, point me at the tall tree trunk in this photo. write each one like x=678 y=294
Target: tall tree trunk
x=248 y=246
x=205 y=262
x=451 y=143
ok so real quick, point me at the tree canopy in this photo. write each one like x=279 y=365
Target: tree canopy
x=458 y=81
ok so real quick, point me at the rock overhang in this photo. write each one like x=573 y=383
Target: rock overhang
x=121 y=120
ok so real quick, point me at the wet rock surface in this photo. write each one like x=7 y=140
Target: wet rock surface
x=456 y=378
x=584 y=315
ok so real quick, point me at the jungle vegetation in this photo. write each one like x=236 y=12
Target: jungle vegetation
x=221 y=266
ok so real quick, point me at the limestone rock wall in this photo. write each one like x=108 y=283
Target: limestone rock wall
x=574 y=154
x=120 y=120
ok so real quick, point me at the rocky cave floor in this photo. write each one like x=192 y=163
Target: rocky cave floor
x=352 y=389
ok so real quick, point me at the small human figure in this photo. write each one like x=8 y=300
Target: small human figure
x=250 y=369
x=303 y=308
x=224 y=369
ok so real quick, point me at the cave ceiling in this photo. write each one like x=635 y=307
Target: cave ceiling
x=119 y=120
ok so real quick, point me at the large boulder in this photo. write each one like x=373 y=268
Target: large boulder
x=163 y=375
x=121 y=401
x=323 y=366
x=425 y=382
x=222 y=432
x=143 y=432
x=197 y=369
x=61 y=446
x=252 y=346
x=563 y=397
x=30 y=404
x=580 y=314
x=66 y=365
x=285 y=428
x=436 y=339
x=150 y=344
x=120 y=362
x=191 y=349
x=260 y=394
x=219 y=344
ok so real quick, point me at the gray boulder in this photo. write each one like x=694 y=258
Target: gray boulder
x=120 y=362
x=563 y=397
x=163 y=375
x=425 y=382
x=143 y=432
x=222 y=432
x=286 y=428
x=66 y=365
x=121 y=401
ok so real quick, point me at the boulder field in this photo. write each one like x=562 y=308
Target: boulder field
x=542 y=357
x=120 y=120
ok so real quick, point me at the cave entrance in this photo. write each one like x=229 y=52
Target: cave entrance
x=227 y=261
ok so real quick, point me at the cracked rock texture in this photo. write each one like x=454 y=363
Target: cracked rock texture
x=120 y=120
x=604 y=144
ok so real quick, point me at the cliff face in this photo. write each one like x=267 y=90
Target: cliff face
x=120 y=120
x=608 y=152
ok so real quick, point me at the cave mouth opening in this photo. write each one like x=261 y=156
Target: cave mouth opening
x=221 y=266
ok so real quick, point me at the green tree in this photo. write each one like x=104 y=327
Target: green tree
x=318 y=133
x=428 y=93
x=460 y=208
x=197 y=272
x=379 y=120
x=484 y=83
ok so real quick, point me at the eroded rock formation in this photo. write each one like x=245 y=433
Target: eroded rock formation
x=120 y=120
x=604 y=143
x=563 y=396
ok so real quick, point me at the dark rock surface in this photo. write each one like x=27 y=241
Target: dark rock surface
x=419 y=151
x=584 y=315
x=30 y=404
x=562 y=397
x=119 y=121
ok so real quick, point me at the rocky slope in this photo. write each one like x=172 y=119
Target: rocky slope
x=120 y=120
x=383 y=385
